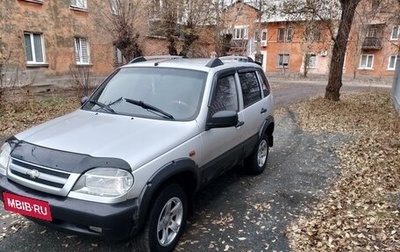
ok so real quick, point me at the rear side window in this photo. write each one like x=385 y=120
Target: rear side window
x=250 y=88
x=264 y=83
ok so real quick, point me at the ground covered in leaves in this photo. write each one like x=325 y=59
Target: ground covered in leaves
x=17 y=116
x=360 y=212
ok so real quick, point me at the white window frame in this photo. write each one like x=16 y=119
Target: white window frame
x=289 y=34
x=285 y=34
x=313 y=60
x=119 y=58
x=285 y=59
x=240 y=32
x=395 y=34
x=372 y=32
x=369 y=61
x=79 y=52
x=34 y=49
x=392 y=59
x=80 y=4
x=281 y=34
x=155 y=9
x=114 y=6
x=263 y=37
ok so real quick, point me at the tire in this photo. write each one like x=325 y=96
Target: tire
x=166 y=221
x=257 y=161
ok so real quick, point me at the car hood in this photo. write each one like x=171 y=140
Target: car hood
x=135 y=140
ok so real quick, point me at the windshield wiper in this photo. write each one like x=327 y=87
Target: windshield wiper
x=103 y=106
x=149 y=107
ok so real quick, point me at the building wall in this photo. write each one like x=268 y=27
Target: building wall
x=59 y=24
x=296 y=48
x=382 y=19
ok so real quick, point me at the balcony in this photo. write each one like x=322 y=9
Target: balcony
x=372 y=43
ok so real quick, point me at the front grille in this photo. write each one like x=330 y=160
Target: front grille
x=40 y=178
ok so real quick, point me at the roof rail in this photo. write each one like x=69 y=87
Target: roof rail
x=238 y=58
x=145 y=58
x=214 y=63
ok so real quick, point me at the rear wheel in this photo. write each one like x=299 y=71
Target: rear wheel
x=257 y=162
x=166 y=221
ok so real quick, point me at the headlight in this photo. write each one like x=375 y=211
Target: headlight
x=5 y=151
x=104 y=182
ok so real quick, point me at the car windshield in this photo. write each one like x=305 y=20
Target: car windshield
x=162 y=93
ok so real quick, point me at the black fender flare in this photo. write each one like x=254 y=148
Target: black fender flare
x=269 y=122
x=172 y=171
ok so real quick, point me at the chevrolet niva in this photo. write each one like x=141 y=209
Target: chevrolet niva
x=128 y=162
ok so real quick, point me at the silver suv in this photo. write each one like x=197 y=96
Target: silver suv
x=128 y=162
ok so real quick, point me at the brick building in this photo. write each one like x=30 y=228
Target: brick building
x=51 y=42
x=47 y=41
x=374 y=40
x=296 y=45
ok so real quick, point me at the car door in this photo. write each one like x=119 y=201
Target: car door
x=255 y=105
x=223 y=147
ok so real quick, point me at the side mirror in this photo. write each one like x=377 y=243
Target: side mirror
x=84 y=100
x=223 y=119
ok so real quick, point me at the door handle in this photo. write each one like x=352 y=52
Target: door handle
x=263 y=110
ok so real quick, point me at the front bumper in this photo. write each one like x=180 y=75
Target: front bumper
x=116 y=221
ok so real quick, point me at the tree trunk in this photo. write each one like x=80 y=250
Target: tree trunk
x=339 y=50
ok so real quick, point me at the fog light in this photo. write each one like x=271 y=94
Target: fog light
x=96 y=229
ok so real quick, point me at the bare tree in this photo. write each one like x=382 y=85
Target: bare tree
x=5 y=57
x=222 y=39
x=181 y=22
x=322 y=10
x=123 y=22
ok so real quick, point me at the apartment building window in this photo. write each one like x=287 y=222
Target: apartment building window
x=119 y=58
x=82 y=53
x=371 y=32
x=375 y=4
x=395 y=33
x=285 y=34
x=155 y=9
x=263 y=36
x=81 y=4
x=34 y=48
x=289 y=34
x=367 y=61
x=316 y=35
x=114 y=5
x=283 y=60
x=240 y=32
x=392 y=62
x=281 y=34
x=312 y=60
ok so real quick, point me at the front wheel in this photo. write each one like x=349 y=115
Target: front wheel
x=166 y=221
x=257 y=161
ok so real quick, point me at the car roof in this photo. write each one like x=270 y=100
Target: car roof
x=200 y=64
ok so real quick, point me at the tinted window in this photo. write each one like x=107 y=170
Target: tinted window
x=250 y=88
x=225 y=95
x=264 y=83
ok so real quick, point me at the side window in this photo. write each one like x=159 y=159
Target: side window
x=225 y=96
x=264 y=83
x=250 y=88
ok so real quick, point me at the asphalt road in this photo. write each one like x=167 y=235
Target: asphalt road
x=238 y=212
